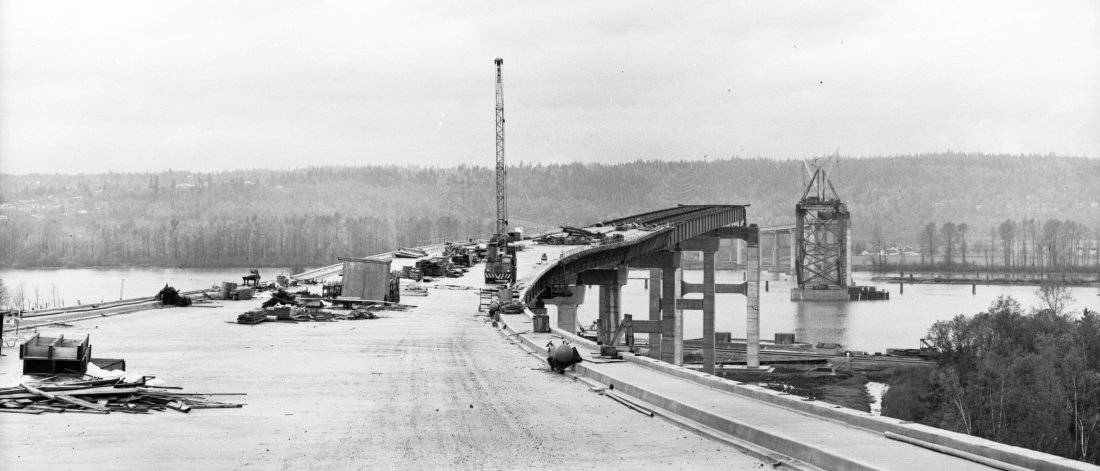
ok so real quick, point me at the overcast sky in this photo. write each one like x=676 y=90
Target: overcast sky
x=92 y=86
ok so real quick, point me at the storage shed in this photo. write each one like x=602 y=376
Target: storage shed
x=366 y=278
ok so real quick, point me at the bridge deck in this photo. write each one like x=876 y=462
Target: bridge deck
x=817 y=438
x=822 y=442
x=430 y=388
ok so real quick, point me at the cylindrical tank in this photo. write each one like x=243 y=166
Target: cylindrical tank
x=564 y=353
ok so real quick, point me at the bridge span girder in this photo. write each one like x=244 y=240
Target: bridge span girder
x=660 y=237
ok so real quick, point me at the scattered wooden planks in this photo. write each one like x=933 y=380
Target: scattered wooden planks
x=102 y=396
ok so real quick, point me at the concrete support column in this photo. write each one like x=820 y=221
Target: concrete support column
x=567 y=308
x=708 y=311
x=775 y=251
x=610 y=315
x=847 y=257
x=752 y=321
x=672 y=319
x=793 y=253
x=567 y=317
x=654 y=310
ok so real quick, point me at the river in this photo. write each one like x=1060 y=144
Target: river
x=71 y=286
x=870 y=326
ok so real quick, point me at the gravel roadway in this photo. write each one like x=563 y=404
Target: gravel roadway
x=435 y=387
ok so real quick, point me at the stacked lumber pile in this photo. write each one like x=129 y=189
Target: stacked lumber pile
x=411 y=273
x=102 y=396
x=252 y=317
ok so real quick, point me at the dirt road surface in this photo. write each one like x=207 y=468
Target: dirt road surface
x=435 y=387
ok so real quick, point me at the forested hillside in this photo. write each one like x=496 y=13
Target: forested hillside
x=1028 y=378
x=309 y=216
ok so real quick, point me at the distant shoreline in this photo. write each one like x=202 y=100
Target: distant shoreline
x=1077 y=282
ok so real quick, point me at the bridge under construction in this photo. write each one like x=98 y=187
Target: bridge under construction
x=431 y=386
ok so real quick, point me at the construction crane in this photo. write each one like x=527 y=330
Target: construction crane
x=500 y=266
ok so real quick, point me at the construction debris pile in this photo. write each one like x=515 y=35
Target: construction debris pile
x=281 y=296
x=414 y=289
x=311 y=314
x=570 y=236
x=435 y=266
x=514 y=307
x=411 y=273
x=230 y=292
x=461 y=255
x=102 y=396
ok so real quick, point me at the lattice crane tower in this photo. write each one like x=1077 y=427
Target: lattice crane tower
x=502 y=172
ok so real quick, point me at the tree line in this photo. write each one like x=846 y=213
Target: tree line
x=1028 y=245
x=127 y=218
x=279 y=241
x=1028 y=379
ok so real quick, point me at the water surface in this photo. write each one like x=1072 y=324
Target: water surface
x=70 y=286
x=871 y=326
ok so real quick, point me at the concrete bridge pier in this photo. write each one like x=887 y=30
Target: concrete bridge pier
x=610 y=312
x=672 y=317
x=775 y=251
x=709 y=247
x=654 y=311
x=669 y=305
x=567 y=307
x=750 y=288
x=610 y=282
x=752 y=292
x=666 y=323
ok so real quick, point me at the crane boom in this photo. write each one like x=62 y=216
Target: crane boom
x=502 y=172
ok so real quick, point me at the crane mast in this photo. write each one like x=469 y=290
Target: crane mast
x=500 y=265
x=502 y=173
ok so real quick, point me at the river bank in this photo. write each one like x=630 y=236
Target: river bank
x=54 y=288
x=986 y=279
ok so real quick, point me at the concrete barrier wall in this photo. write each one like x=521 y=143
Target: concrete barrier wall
x=810 y=454
x=978 y=446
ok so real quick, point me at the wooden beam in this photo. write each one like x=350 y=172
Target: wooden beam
x=65 y=398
